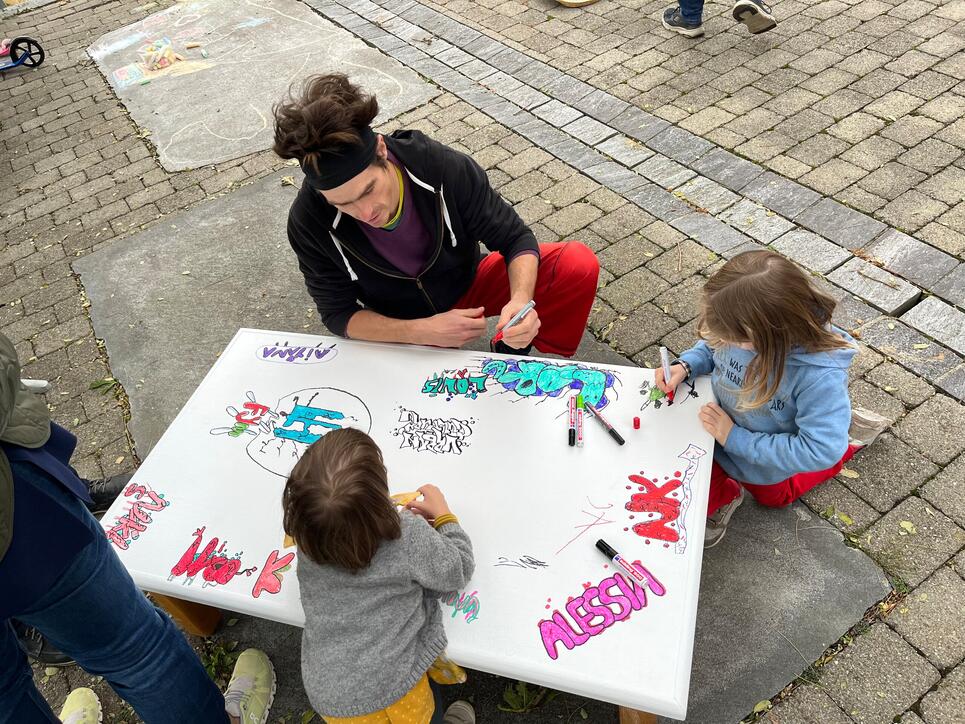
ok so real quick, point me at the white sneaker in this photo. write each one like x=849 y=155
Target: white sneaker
x=252 y=688
x=82 y=707
x=717 y=523
x=755 y=15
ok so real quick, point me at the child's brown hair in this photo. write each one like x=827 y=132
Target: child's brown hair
x=762 y=298
x=336 y=501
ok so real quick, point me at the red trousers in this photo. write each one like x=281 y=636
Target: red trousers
x=565 y=288
x=724 y=489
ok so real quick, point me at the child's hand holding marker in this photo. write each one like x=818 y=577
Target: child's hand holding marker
x=677 y=375
x=432 y=505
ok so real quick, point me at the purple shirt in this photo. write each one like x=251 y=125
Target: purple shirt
x=409 y=245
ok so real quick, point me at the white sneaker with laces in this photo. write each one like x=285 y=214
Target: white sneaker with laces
x=717 y=523
x=252 y=688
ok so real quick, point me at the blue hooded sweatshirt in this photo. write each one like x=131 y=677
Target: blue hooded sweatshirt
x=803 y=428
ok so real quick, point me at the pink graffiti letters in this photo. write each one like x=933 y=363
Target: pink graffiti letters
x=129 y=526
x=596 y=609
x=269 y=580
x=215 y=567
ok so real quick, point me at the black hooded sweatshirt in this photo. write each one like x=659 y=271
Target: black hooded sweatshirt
x=452 y=195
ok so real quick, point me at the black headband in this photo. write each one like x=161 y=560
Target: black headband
x=341 y=164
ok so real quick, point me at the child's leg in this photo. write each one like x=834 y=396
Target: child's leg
x=787 y=491
x=723 y=489
x=692 y=11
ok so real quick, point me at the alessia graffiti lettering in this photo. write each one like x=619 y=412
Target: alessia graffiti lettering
x=129 y=526
x=433 y=434
x=215 y=566
x=665 y=503
x=464 y=603
x=269 y=580
x=297 y=354
x=455 y=382
x=535 y=378
x=596 y=609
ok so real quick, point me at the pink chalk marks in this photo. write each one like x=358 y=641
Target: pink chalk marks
x=143 y=502
x=665 y=504
x=596 y=609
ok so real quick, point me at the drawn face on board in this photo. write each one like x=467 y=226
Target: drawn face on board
x=372 y=197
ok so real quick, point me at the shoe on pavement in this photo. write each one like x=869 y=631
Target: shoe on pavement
x=755 y=15
x=672 y=20
x=460 y=712
x=866 y=426
x=717 y=523
x=252 y=688
x=575 y=3
x=36 y=646
x=103 y=491
x=82 y=707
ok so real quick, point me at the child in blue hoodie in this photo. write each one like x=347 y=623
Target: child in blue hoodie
x=779 y=371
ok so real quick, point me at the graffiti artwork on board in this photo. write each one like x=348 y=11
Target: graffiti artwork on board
x=216 y=566
x=278 y=435
x=143 y=501
x=455 y=383
x=653 y=395
x=465 y=603
x=597 y=608
x=269 y=580
x=297 y=354
x=542 y=379
x=440 y=435
x=664 y=504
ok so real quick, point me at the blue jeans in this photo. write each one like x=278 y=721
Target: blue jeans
x=691 y=10
x=97 y=615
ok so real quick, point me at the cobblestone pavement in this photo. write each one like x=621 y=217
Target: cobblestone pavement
x=836 y=139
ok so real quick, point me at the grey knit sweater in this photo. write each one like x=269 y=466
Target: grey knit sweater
x=370 y=636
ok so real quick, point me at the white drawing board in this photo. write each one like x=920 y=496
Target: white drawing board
x=202 y=517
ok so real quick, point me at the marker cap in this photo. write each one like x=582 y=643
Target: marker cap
x=605 y=549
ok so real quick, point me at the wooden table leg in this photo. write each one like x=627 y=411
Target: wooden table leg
x=632 y=716
x=195 y=618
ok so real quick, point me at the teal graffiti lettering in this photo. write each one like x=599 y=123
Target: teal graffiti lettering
x=307 y=417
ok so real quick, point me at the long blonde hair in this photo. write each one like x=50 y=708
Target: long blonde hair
x=764 y=299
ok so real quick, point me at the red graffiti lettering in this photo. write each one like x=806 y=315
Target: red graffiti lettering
x=130 y=525
x=654 y=500
x=271 y=573
x=257 y=412
x=215 y=567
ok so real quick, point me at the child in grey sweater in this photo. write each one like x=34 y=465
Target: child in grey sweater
x=370 y=577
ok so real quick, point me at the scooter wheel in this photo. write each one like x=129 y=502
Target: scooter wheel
x=28 y=47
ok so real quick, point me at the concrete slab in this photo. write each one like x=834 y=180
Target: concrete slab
x=215 y=103
x=777 y=574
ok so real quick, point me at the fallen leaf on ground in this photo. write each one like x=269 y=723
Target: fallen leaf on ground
x=920 y=346
x=846 y=519
x=848 y=473
x=287 y=180
x=908 y=526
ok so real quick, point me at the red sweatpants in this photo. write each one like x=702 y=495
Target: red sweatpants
x=724 y=489
x=565 y=288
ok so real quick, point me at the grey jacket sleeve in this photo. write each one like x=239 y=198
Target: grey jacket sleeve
x=440 y=560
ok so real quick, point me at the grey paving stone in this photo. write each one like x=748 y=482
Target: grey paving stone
x=679 y=145
x=911 y=259
x=708 y=231
x=811 y=251
x=757 y=222
x=589 y=130
x=707 y=194
x=888 y=471
x=476 y=69
x=946 y=491
x=910 y=717
x=900 y=676
x=725 y=168
x=682 y=261
x=876 y=286
x=628 y=254
x=509 y=60
x=537 y=74
x=633 y=289
x=501 y=83
x=481 y=46
x=939 y=320
x=807 y=704
x=567 y=89
x=542 y=133
x=643 y=327
x=946 y=704
x=559 y=114
x=601 y=105
x=662 y=204
x=663 y=171
x=840 y=224
x=868 y=397
x=912 y=540
x=904 y=345
x=951 y=287
x=576 y=154
x=454 y=57
x=850 y=313
x=841 y=507
x=682 y=300
x=953 y=383
x=779 y=194
x=639 y=124
x=935 y=428
x=865 y=361
x=625 y=150
x=617 y=177
x=958 y=563
x=527 y=97
x=931 y=619
x=909 y=388
x=747 y=245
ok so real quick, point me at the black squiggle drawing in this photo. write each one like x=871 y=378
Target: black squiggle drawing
x=438 y=435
